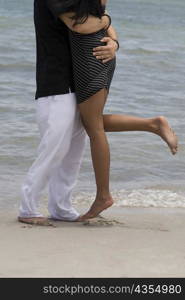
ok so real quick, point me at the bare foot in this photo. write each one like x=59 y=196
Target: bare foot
x=35 y=221
x=163 y=129
x=97 y=207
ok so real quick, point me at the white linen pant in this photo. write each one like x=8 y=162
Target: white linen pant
x=60 y=152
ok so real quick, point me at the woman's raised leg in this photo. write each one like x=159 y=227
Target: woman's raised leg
x=158 y=125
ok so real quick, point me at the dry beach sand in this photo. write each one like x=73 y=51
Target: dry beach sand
x=129 y=242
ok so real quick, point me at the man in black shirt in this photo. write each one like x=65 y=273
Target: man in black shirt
x=62 y=134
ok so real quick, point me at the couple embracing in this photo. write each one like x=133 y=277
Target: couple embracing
x=76 y=58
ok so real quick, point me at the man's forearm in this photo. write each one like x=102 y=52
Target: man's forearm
x=112 y=33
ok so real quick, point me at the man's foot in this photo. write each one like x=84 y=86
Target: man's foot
x=97 y=207
x=162 y=128
x=36 y=221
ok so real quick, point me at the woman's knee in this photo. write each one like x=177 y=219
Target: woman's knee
x=93 y=124
x=91 y=112
x=95 y=131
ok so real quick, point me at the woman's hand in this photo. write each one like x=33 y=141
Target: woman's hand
x=108 y=52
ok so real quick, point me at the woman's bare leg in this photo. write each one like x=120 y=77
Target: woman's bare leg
x=158 y=125
x=91 y=112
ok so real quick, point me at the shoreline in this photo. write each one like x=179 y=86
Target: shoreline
x=140 y=242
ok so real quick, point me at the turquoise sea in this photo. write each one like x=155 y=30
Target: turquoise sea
x=149 y=81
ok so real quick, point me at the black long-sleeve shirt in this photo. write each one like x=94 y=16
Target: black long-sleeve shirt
x=54 y=74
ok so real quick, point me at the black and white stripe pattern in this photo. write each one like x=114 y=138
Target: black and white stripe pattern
x=90 y=74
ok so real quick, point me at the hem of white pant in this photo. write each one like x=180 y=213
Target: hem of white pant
x=64 y=219
x=30 y=216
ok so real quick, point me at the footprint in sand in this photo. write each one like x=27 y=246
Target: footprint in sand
x=100 y=221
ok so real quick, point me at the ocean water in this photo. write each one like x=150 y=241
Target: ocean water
x=149 y=81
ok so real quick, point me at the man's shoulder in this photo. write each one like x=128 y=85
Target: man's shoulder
x=46 y=9
x=44 y=17
x=43 y=6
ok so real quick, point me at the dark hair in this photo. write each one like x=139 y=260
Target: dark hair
x=83 y=8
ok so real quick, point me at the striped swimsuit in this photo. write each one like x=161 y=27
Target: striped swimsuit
x=90 y=74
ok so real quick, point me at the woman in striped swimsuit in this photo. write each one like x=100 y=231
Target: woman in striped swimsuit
x=88 y=24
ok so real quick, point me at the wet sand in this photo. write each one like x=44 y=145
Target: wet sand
x=126 y=242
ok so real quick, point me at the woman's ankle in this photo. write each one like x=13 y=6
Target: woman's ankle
x=153 y=125
x=103 y=195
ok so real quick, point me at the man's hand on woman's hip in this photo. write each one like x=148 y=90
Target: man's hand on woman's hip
x=107 y=52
